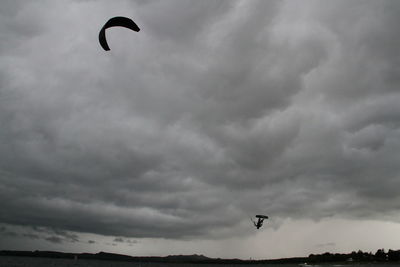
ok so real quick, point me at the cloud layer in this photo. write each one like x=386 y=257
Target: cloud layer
x=214 y=111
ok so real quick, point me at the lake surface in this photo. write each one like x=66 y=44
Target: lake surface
x=6 y=261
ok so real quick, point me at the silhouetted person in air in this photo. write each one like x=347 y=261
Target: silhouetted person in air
x=259 y=223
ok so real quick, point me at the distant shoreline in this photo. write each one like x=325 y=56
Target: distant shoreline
x=381 y=256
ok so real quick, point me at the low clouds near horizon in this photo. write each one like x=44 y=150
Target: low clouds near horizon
x=215 y=111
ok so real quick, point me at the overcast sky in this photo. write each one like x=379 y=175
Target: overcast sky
x=214 y=112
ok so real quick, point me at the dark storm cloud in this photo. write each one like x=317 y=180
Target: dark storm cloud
x=216 y=110
x=39 y=233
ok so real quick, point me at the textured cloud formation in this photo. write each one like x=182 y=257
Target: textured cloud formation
x=215 y=111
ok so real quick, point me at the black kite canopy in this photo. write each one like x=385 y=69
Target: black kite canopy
x=114 y=22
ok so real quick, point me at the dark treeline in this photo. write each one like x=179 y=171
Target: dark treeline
x=379 y=256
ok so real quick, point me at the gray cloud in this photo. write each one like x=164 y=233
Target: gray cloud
x=326 y=245
x=54 y=239
x=5 y=232
x=124 y=240
x=31 y=236
x=214 y=111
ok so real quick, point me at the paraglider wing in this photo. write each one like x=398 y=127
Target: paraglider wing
x=114 y=22
x=262 y=216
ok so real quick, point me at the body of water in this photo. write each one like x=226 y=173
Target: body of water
x=7 y=261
